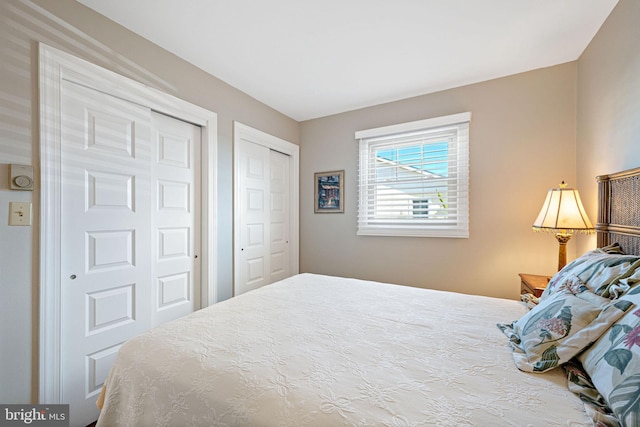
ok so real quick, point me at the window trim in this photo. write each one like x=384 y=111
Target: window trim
x=457 y=229
x=417 y=125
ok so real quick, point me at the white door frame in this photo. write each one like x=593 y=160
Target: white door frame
x=241 y=131
x=56 y=66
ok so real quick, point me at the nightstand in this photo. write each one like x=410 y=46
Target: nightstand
x=533 y=284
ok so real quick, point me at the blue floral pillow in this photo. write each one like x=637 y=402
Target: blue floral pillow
x=613 y=363
x=560 y=327
x=595 y=405
x=598 y=270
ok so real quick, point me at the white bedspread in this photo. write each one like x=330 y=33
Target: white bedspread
x=324 y=351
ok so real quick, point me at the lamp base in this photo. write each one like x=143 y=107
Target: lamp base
x=562 y=238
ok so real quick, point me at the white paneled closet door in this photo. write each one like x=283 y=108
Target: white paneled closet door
x=266 y=208
x=255 y=231
x=279 y=217
x=175 y=175
x=129 y=232
x=263 y=185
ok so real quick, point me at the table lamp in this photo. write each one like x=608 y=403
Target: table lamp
x=563 y=214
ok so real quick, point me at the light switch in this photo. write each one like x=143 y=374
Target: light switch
x=20 y=213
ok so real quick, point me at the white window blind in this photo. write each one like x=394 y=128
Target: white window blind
x=414 y=178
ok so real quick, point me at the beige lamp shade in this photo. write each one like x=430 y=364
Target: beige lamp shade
x=563 y=210
x=562 y=213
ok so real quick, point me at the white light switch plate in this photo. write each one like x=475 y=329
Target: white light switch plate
x=20 y=213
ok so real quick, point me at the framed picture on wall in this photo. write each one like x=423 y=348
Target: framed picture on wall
x=329 y=192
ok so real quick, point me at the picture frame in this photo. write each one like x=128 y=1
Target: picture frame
x=329 y=192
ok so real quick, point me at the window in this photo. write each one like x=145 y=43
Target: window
x=414 y=178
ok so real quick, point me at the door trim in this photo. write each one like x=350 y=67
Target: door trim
x=54 y=67
x=241 y=131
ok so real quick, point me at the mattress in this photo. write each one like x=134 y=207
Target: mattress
x=317 y=350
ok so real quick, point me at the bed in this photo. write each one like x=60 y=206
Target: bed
x=316 y=350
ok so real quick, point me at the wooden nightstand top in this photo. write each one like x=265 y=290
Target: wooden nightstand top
x=533 y=283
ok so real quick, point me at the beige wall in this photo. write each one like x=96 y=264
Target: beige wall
x=69 y=26
x=522 y=142
x=608 y=123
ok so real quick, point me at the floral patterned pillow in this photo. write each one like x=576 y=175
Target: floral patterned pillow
x=560 y=327
x=597 y=269
x=595 y=405
x=613 y=363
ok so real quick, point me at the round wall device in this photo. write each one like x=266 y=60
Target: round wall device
x=22 y=181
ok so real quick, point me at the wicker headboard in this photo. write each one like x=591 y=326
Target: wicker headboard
x=619 y=210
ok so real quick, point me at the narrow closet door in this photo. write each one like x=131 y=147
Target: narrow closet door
x=104 y=240
x=279 y=216
x=175 y=175
x=255 y=228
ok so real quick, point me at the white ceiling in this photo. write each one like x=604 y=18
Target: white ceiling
x=309 y=58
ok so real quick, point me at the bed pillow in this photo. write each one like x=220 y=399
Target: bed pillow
x=599 y=270
x=560 y=327
x=613 y=363
x=613 y=248
x=595 y=404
